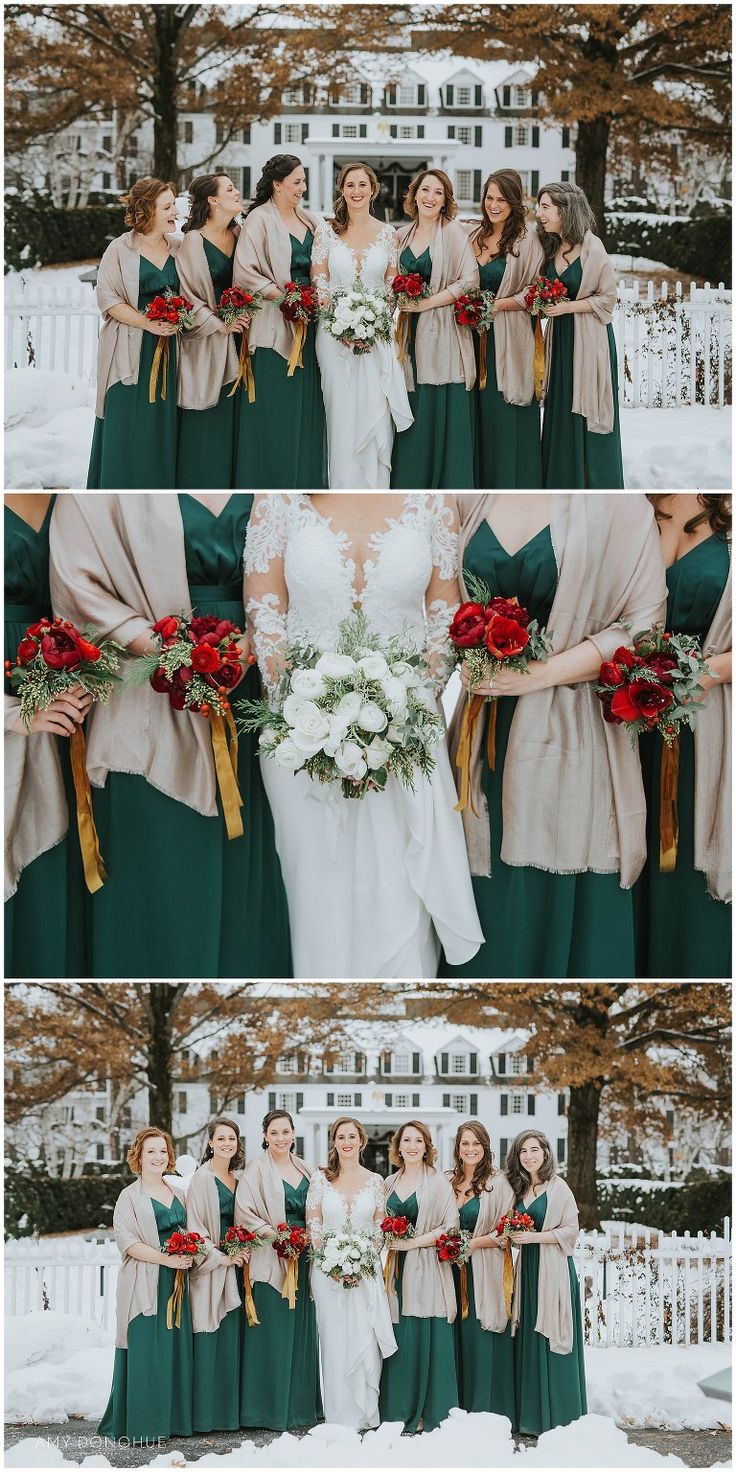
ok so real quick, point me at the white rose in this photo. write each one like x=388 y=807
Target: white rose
x=369 y=331
x=371 y=717
x=396 y=696
x=377 y=753
x=405 y=672
x=291 y=708
x=350 y=761
x=308 y=683
x=268 y=739
x=288 y=755
x=336 y=328
x=348 y=706
x=374 y=666
x=338 y=732
x=335 y=666
x=311 y=728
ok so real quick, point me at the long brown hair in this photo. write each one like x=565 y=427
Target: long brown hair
x=341 y=218
x=269 y=1119
x=716 y=511
x=332 y=1168
x=485 y=1167
x=201 y=190
x=430 y=1151
x=576 y=217
x=449 y=208
x=509 y=184
x=274 y=170
x=237 y=1161
x=520 y=1179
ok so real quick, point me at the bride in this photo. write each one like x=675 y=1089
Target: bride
x=374 y=887
x=365 y=394
x=355 y=1331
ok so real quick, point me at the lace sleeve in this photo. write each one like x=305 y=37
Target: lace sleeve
x=314 y=1208
x=266 y=594
x=392 y=245
x=442 y=597
x=320 y=262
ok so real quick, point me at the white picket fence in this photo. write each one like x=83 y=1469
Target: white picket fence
x=672 y=349
x=638 y=1287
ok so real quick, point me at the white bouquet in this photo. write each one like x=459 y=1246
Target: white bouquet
x=347 y=1257
x=355 y=715
x=359 y=319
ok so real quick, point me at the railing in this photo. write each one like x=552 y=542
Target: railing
x=676 y=348
x=638 y=1286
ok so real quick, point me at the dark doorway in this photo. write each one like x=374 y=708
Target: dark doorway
x=395 y=176
x=375 y=1155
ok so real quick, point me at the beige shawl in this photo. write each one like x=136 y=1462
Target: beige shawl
x=213 y=1286
x=554 y=1301
x=427 y=1289
x=260 y=1206
x=713 y=742
x=513 y=333
x=486 y=1264
x=573 y=796
x=208 y=359
x=444 y=352
x=263 y=260
x=134 y=1221
x=592 y=386
x=119 y=346
x=36 y=814
x=118 y=563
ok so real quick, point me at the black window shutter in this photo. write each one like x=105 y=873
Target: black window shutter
x=479 y=96
x=508 y=137
x=444 y=1063
x=507 y=96
x=560 y=1103
x=474 y=1104
x=479 y=137
x=560 y=1152
x=330 y=1101
x=336 y=130
x=363 y=93
x=531 y=1107
x=477 y=185
x=535 y=181
x=357 y=1100
x=305 y=132
x=277 y=132
x=421 y=94
x=241 y=1104
x=504 y=1151
x=501 y=1063
x=272 y=1101
x=246 y=182
x=389 y=95
x=358 y=1063
x=420 y=130
x=246 y=134
x=473 y=1066
x=387 y=1062
x=529 y=1064
x=504 y=1103
x=565 y=137
x=564 y=176
x=389 y=1101
x=299 y=1102
x=445 y=1101
x=535 y=137
x=451 y=130
x=449 y=95
x=415 y=1101
x=416 y=1062
x=362 y=130
x=535 y=97
x=393 y=130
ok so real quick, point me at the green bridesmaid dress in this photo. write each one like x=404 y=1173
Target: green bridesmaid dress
x=134 y=446
x=570 y=911
x=419 y=1383
x=436 y=451
x=204 y=459
x=281 y=439
x=550 y=1388
x=681 y=931
x=571 y=456
x=240 y=924
x=484 y=1360
x=53 y=885
x=152 y=1384
x=508 y=452
x=218 y=1356
x=279 y=1388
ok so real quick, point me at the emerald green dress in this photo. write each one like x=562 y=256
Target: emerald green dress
x=281 y=439
x=279 y=1387
x=484 y=1360
x=419 y=1383
x=681 y=931
x=570 y=912
x=218 y=1356
x=571 y=456
x=52 y=887
x=134 y=446
x=239 y=926
x=204 y=458
x=550 y=1388
x=436 y=451
x=153 y=1379
x=508 y=450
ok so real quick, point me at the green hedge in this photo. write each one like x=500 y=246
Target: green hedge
x=701 y=247
x=699 y=1207
x=36 y=234
x=47 y=1204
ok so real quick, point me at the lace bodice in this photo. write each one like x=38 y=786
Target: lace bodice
x=328 y=1210
x=302 y=580
x=337 y=266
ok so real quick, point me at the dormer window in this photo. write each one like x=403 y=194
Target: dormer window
x=405 y=94
x=517 y=1063
x=356 y=94
x=293 y=96
x=521 y=96
x=464 y=96
x=461 y=1065
x=346 y=1062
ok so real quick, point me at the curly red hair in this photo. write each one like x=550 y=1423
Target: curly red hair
x=140 y=202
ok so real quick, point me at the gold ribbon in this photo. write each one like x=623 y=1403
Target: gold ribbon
x=491 y=736
x=473 y=709
x=291 y=1281
x=538 y=357
x=245 y=373
x=389 y=1270
x=250 y=1308
x=160 y=357
x=482 y=358
x=464 y=1307
x=402 y=336
x=668 y=821
x=175 y=1302
x=295 y=356
x=508 y=1277
x=226 y=766
x=95 y=872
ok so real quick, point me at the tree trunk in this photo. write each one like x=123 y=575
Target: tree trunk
x=161 y=1000
x=166 y=29
x=582 y=1142
x=590 y=166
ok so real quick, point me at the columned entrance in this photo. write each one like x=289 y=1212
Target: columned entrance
x=395 y=176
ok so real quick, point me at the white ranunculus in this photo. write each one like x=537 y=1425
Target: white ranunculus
x=291 y=708
x=338 y=732
x=337 y=328
x=350 y=761
x=374 y=666
x=289 y=756
x=348 y=706
x=368 y=330
x=335 y=666
x=371 y=717
x=405 y=672
x=396 y=696
x=268 y=739
x=308 y=683
x=377 y=753
x=311 y=729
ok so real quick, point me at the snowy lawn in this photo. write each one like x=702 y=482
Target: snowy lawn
x=677 y=449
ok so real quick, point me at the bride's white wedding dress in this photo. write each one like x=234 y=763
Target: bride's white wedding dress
x=354 y=1324
x=374 y=886
x=365 y=395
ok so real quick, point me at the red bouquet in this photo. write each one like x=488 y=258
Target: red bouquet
x=182 y=1244
x=289 y=1243
x=453 y=1247
x=177 y=310
x=544 y=293
x=394 y=1229
x=234 y=304
x=513 y=1221
x=235 y=1239
x=298 y=304
x=409 y=289
x=474 y=310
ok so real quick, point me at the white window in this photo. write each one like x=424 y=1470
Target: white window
x=517 y=1063
x=292 y=133
x=402 y=1101
x=464 y=135
x=407 y=130
x=344 y=1063
x=463 y=96
x=286 y=1100
x=351 y=93
x=521 y=135
x=287 y=1064
x=406 y=94
x=521 y=96
x=293 y=96
x=401 y=1062
x=459 y=1102
x=349 y=130
x=517 y=1103
x=344 y=1101
x=458 y=1061
x=464 y=183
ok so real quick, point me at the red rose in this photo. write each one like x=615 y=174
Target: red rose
x=663 y=665
x=625 y=657
x=610 y=674
x=60 y=648
x=504 y=637
x=160 y=682
x=641 y=700
x=509 y=608
x=166 y=627
x=468 y=626
x=27 y=650
x=38 y=630
x=205 y=659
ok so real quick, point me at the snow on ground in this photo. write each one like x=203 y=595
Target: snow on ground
x=677 y=449
x=657 y=1386
x=56 y=1366
x=49 y=419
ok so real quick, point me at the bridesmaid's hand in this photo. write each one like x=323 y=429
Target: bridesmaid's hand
x=513 y=682
x=560 y=309
x=519 y=1238
x=238 y=325
x=176 y=1260
x=483 y=689
x=160 y=329
x=62 y=716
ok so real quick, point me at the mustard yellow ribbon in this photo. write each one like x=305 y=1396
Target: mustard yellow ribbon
x=173 y=1306
x=464 y=1306
x=245 y=371
x=508 y=1278
x=160 y=360
x=295 y=356
x=226 y=767
x=95 y=872
x=389 y=1270
x=250 y=1308
x=402 y=336
x=482 y=358
x=668 y=819
x=538 y=357
x=291 y=1281
x=472 y=711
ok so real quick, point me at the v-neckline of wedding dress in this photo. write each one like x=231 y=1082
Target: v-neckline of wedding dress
x=374 y=545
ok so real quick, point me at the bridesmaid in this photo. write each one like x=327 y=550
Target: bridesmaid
x=284 y=1392
x=436 y=451
x=208 y=352
x=43 y=864
x=152 y=1386
x=695 y=533
x=556 y=828
x=510 y=257
x=419 y=1383
x=484 y=1349
x=217 y=1310
x=281 y=438
x=122 y=563
x=134 y=442
x=548 y=1325
x=581 y=437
